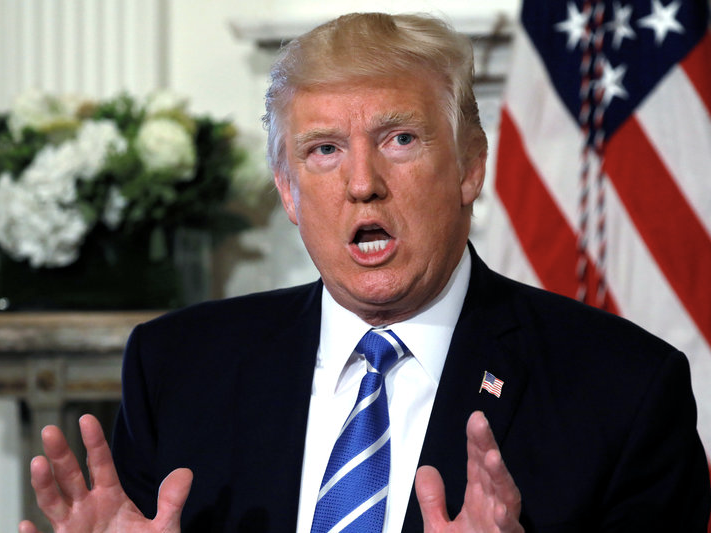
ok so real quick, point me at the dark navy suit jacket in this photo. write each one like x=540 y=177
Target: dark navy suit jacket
x=596 y=420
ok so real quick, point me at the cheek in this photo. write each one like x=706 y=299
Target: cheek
x=321 y=194
x=433 y=208
x=433 y=189
x=318 y=210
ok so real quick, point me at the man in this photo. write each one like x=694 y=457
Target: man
x=378 y=156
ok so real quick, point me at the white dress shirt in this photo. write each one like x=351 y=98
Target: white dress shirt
x=411 y=385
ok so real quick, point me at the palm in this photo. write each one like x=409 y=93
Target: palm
x=102 y=512
x=71 y=507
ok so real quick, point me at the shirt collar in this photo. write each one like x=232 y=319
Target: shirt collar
x=427 y=334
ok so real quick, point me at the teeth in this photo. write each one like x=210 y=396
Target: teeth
x=372 y=246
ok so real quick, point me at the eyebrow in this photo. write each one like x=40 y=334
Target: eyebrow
x=306 y=137
x=396 y=118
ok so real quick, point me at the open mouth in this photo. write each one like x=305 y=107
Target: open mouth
x=371 y=239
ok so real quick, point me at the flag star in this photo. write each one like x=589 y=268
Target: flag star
x=576 y=26
x=621 y=24
x=662 y=20
x=611 y=82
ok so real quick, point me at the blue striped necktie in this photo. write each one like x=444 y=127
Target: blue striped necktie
x=355 y=486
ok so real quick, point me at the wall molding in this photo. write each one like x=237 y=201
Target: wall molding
x=87 y=47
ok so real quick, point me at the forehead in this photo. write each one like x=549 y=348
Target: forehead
x=370 y=103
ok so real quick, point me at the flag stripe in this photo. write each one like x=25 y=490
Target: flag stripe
x=675 y=107
x=545 y=128
x=697 y=65
x=670 y=229
x=503 y=248
x=545 y=236
x=640 y=286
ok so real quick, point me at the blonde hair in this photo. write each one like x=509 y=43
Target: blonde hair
x=375 y=45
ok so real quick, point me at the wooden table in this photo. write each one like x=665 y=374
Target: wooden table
x=48 y=360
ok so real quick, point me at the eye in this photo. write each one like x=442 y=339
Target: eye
x=326 y=149
x=404 y=138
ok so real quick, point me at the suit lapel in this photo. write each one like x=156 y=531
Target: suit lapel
x=478 y=345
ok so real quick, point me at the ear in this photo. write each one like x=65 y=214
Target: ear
x=288 y=196
x=473 y=178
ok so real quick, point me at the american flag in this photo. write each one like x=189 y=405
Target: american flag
x=603 y=176
x=492 y=384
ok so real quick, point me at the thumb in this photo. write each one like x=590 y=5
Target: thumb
x=429 y=488
x=171 y=498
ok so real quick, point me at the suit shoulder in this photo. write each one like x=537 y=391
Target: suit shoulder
x=559 y=320
x=213 y=327
x=252 y=310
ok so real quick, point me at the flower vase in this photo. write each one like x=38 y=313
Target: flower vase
x=112 y=272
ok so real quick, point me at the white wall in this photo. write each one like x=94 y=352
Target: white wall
x=11 y=469
x=81 y=46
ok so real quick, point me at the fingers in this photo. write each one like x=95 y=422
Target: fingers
x=484 y=457
x=64 y=464
x=507 y=521
x=172 y=494
x=503 y=484
x=59 y=484
x=429 y=488
x=480 y=442
x=27 y=527
x=101 y=465
x=487 y=475
x=479 y=435
x=49 y=499
x=492 y=502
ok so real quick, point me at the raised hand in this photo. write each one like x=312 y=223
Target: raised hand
x=71 y=507
x=492 y=502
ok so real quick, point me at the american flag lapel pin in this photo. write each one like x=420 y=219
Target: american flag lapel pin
x=491 y=384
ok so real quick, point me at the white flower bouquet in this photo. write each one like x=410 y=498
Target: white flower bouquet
x=78 y=178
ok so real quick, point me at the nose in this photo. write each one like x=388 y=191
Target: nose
x=365 y=180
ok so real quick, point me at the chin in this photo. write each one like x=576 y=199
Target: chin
x=378 y=287
x=377 y=306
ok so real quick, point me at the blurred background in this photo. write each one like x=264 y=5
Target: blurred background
x=118 y=81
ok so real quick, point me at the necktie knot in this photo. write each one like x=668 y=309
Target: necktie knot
x=381 y=348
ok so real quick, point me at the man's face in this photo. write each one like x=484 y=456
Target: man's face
x=374 y=186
